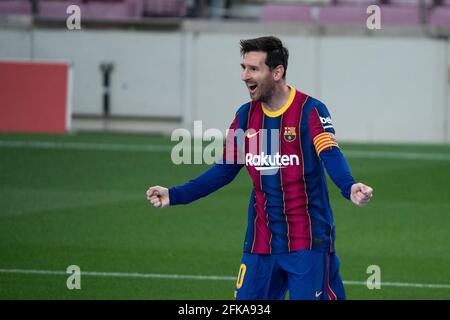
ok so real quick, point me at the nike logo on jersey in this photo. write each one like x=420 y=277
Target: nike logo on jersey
x=318 y=294
x=251 y=135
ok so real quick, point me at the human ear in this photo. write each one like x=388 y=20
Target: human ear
x=278 y=72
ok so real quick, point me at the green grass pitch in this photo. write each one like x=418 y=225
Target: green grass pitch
x=87 y=207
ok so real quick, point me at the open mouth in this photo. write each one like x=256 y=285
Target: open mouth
x=252 y=88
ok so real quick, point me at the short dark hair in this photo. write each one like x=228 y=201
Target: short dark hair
x=277 y=54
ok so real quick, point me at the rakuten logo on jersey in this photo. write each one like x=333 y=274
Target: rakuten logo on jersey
x=259 y=149
x=263 y=162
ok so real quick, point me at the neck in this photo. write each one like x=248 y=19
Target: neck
x=279 y=97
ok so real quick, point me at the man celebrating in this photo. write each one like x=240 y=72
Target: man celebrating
x=289 y=243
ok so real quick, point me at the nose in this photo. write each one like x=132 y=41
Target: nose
x=245 y=75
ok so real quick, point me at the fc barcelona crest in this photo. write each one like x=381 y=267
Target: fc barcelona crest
x=289 y=134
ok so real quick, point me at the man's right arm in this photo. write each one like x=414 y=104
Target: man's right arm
x=211 y=180
x=217 y=176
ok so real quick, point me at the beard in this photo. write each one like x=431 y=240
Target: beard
x=266 y=93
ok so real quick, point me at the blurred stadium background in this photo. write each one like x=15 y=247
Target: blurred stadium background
x=86 y=117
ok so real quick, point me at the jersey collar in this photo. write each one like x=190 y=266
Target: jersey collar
x=274 y=114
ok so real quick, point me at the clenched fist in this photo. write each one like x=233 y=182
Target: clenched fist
x=158 y=196
x=360 y=194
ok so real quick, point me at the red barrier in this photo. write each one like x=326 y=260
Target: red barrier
x=34 y=97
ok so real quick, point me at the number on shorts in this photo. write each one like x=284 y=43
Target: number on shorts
x=241 y=275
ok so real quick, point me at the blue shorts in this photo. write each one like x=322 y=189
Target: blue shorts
x=306 y=274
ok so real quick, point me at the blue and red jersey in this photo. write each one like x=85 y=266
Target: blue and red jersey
x=285 y=153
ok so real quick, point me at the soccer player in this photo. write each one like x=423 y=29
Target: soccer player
x=289 y=141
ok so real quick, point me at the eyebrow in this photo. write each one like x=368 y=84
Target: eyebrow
x=249 y=65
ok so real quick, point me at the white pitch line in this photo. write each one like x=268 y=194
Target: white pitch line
x=202 y=277
x=165 y=148
x=85 y=146
x=402 y=284
x=396 y=155
x=123 y=274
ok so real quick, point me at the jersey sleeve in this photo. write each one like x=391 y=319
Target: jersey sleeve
x=323 y=138
x=211 y=180
x=217 y=176
x=321 y=129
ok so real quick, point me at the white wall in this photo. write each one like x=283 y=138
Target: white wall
x=15 y=44
x=384 y=89
x=146 y=78
x=378 y=89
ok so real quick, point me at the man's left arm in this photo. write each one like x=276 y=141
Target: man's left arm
x=327 y=148
x=339 y=171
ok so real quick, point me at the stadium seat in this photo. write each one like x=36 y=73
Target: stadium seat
x=164 y=8
x=392 y=15
x=440 y=17
x=295 y=2
x=365 y=3
x=428 y=3
x=107 y=11
x=342 y=15
x=115 y=8
x=136 y=8
x=395 y=13
x=56 y=9
x=286 y=13
x=93 y=9
x=404 y=12
x=345 y=12
x=13 y=7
